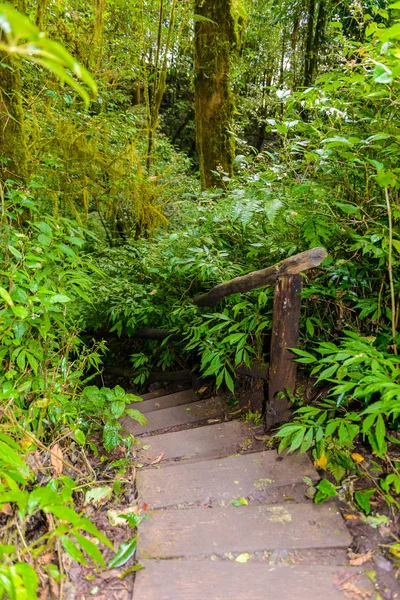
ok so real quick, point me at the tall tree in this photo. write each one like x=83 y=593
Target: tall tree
x=214 y=37
x=13 y=147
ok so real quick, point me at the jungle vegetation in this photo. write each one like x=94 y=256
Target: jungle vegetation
x=150 y=149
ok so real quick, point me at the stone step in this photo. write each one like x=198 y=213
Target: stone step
x=197 y=532
x=192 y=412
x=224 y=580
x=166 y=401
x=211 y=441
x=253 y=476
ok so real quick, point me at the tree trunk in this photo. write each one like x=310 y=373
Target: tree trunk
x=13 y=147
x=308 y=59
x=213 y=99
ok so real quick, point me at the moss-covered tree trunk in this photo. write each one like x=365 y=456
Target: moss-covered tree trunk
x=214 y=39
x=13 y=147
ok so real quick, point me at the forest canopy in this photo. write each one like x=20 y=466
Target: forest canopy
x=150 y=150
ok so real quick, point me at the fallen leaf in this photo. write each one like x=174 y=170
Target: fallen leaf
x=98 y=495
x=45 y=558
x=6 y=509
x=350 y=589
x=321 y=462
x=158 y=459
x=56 y=458
x=356 y=560
x=357 y=457
x=202 y=389
x=115 y=518
x=349 y=517
x=263 y=438
x=143 y=506
x=153 y=292
x=243 y=558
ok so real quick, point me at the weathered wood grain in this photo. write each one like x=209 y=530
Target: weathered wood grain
x=197 y=532
x=285 y=335
x=290 y=266
x=224 y=580
x=211 y=441
x=219 y=481
x=192 y=412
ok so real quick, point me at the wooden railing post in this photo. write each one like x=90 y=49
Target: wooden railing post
x=285 y=335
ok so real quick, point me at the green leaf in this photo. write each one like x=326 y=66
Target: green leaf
x=380 y=434
x=117 y=408
x=363 y=499
x=6 y=296
x=80 y=437
x=20 y=311
x=124 y=553
x=111 y=435
x=325 y=490
x=64 y=513
x=25 y=39
x=73 y=550
x=29 y=577
x=59 y=299
x=386 y=179
x=229 y=381
x=137 y=415
x=90 y=548
x=15 y=252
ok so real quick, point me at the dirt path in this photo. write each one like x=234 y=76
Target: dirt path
x=228 y=521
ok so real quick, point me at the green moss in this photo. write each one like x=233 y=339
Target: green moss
x=13 y=147
x=215 y=37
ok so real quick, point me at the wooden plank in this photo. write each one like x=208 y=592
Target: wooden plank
x=157 y=393
x=225 y=580
x=193 y=412
x=168 y=401
x=249 y=475
x=285 y=335
x=203 y=531
x=212 y=441
x=290 y=266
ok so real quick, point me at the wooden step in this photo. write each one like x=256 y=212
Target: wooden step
x=160 y=392
x=192 y=412
x=211 y=441
x=198 y=532
x=166 y=401
x=224 y=580
x=252 y=476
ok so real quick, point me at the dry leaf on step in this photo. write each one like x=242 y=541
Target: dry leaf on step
x=56 y=458
x=158 y=459
x=356 y=560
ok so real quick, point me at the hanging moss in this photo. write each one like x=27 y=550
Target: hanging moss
x=13 y=147
x=215 y=36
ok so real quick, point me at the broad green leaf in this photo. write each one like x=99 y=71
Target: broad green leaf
x=29 y=577
x=363 y=499
x=124 y=553
x=137 y=415
x=72 y=549
x=6 y=296
x=90 y=548
x=45 y=52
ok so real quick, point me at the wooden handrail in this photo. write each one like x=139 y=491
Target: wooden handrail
x=269 y=276
x=285 y=323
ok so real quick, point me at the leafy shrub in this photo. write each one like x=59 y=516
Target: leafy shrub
x=44 y=277
x=363 y=402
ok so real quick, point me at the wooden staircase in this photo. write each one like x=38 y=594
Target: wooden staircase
x=229 y=520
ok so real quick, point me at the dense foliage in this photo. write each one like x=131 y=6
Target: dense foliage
x=105 y=230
